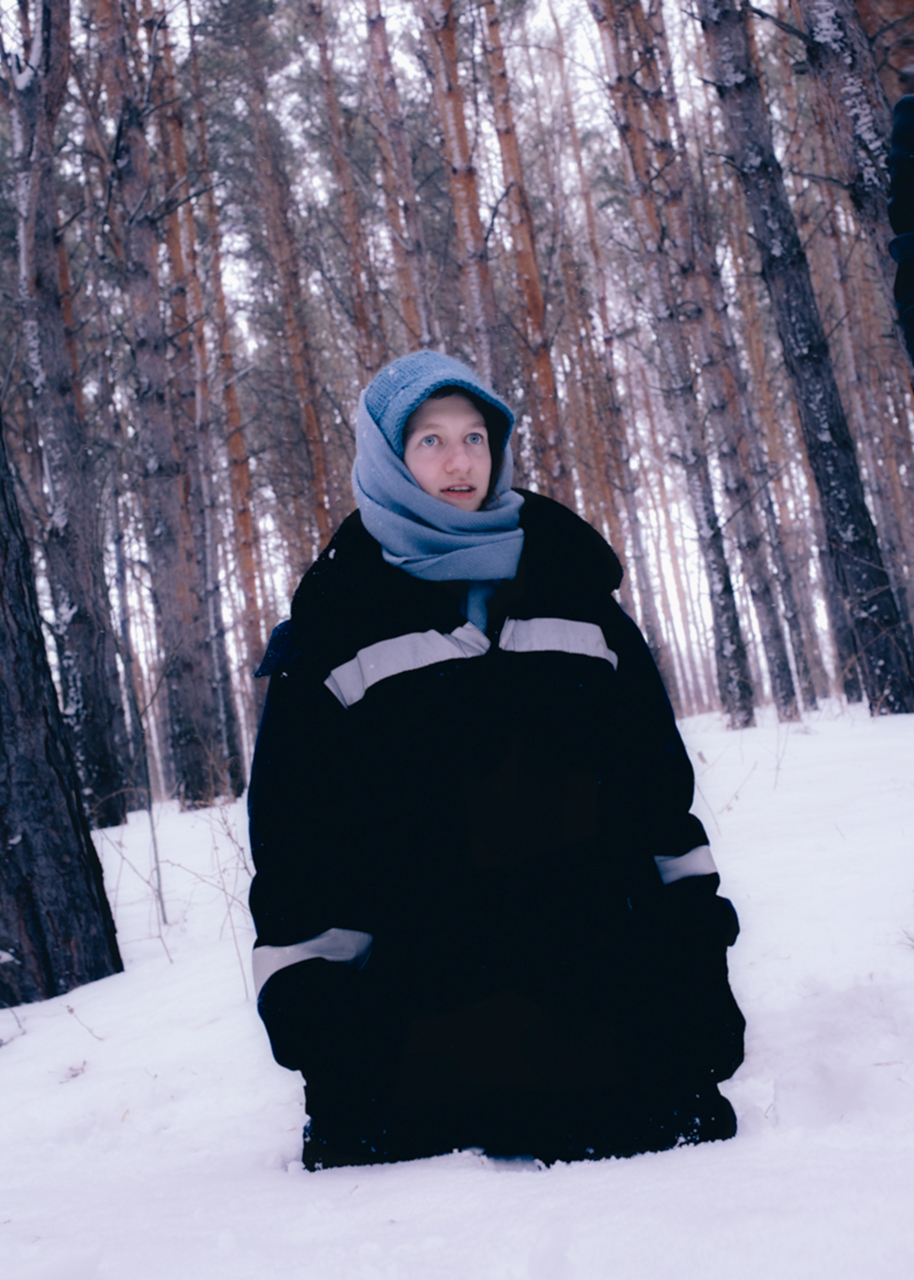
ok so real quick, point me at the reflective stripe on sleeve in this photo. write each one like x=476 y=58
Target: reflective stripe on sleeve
x=557 y=635
x=346 y=946
x=697 y=862
x=350 y=682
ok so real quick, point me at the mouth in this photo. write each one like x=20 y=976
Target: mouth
x=460 y=490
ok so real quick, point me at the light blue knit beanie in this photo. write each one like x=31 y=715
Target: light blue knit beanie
x=402 y=385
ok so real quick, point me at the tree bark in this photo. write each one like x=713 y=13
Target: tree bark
x=668 y=308
x=176 y=580
x=478 y=295
x=72 y=537
x=690 y=242
x=542 y=398
x=889 y=25
x=240 y=485
x=56 y=929
x=276 y=198
x=402 y=202
x=371 y=342
x=191 y=381
x=851 y=101
x=886 y=664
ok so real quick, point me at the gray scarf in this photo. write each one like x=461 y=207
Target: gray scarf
x=426 y=537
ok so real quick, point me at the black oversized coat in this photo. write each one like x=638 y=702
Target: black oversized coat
x=488 y=811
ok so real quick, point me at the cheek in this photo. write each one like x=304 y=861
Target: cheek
x=422 y=469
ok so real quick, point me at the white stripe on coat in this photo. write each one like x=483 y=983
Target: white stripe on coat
x=697 y=862
x=350 y=682
x=345 y=946
x=559 y=635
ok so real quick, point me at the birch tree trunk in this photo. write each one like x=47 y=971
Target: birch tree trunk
x=478 y=295
x=885 y=662
x=56 y=929
x=33 y=90
x=402 y=202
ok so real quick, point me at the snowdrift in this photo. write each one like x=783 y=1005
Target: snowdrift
x=145 y=1131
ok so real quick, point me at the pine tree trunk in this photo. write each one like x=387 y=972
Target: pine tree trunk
x=766 y=416
x=245 y=545
x=276 y=204
x=866 y=397
x=477 y=293
x=176 y=582
x=615 y=452
x=399 y=187
x=191 y=382
x=889 y=26
x=56 y=929
x=668 y=308
x=863 y=582
x=371 y=342
x=851 y=101
x=690 y=241
x=71 y=539
x=542 y=399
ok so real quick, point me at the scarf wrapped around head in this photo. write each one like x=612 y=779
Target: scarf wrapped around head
x=422 y=535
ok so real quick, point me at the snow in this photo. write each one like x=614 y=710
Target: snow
x=146 y=1132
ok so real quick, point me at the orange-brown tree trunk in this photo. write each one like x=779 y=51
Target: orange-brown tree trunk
x=401 y=202
x=851 y=103
x=276 y=204
x=191 y=382
x=371 y=343
x=477 y=292
x=240 y=485
x=542 y=398
x=176 y=579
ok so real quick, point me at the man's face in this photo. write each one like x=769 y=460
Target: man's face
x=447 y=451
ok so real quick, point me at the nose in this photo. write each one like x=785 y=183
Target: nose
x=458 y=457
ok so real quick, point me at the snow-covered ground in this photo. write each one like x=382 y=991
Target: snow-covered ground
x=145 y=1131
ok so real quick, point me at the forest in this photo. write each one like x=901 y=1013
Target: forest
x=660 y=231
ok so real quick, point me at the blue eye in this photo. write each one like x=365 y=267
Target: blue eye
x=475 y=437
x=429 y=440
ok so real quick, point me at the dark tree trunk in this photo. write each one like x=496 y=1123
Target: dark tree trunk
x=177 y=585
x=71 y=537
x=56 y=929
x=192 y=424
x=668 y=306
x=862 y=580
x=246 y=546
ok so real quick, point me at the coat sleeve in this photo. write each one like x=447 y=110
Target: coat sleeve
x=313 y=923
x=661 y=782
x=687 y=926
